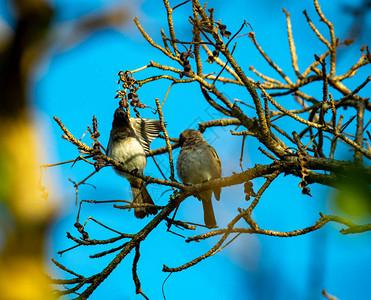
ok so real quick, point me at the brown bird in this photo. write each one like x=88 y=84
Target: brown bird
x=129 y=144
x=198 y=162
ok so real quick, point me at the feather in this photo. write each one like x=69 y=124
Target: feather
x=146 y=130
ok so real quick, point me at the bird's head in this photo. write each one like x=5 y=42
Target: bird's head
x=120 y=117
x=189 y=135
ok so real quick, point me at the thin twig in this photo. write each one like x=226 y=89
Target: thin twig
x=151 y=42
x=333 y=46
x=101 y=254
x=242 y=148
x=328 y=296
x=294 y=57
x=267 y=58
x=66 y=269
x=170 y=24
x=161 y=117
x=180 y=4
x=358 y=158
x=138 y=289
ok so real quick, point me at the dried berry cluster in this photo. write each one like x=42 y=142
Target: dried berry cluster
x=94 y=135
x=128 y=83
x=186 y=65
x=97 y=155
x=80 y=228
x=44 y=193
x=223 y=32
x=304 y=173
x=211 y=58
x=248 y=190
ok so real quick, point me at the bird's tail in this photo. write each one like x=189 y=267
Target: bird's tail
x=209 y=216
x=141 y=196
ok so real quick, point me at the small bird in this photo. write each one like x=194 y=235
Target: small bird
x=198 y=162
x=129 y=144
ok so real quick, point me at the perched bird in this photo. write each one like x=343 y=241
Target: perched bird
x=129 y=144
x=198 y=162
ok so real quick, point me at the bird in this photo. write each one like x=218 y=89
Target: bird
x=129 y=144
x=198 y=162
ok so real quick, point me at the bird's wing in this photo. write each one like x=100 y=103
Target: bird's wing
x=216 y=157
x=217 y=190
x=146 y=130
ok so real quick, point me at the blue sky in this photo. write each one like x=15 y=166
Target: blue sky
x=78 y=80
